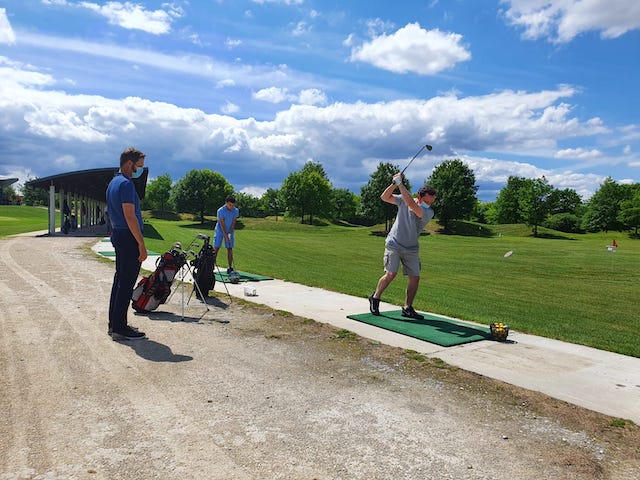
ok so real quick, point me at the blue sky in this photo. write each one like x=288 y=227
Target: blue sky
x=256 y=88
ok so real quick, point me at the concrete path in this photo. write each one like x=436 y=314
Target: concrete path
x=602 y=381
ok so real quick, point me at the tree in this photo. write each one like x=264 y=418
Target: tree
x=604 y=207
x=307 y=192
x=249 y=205
x=158 y=193
x=564 y=201
x=507 y=204
x=344 y=204
x=34 y=196
x=373 y=209
x=9 y=195
x=533 y=201
x=630 y=211
x=272 y=202
x=563 y=222
x=201 y=192
x=456 y=187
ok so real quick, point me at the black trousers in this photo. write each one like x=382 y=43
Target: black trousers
x=124 y=280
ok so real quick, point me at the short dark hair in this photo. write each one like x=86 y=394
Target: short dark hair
x=230 y=198
x=427 y=190
x=131 y=155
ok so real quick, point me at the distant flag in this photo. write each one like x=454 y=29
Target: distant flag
x=615 y=244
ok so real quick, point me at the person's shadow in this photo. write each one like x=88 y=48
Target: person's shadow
x=156 y=352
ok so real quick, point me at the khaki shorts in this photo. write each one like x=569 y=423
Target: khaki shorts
x=410 y=260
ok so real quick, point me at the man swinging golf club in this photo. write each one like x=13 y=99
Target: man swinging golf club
x=401 y=245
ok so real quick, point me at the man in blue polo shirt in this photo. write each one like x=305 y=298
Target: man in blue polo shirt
x=123 y=205
x=225 y=229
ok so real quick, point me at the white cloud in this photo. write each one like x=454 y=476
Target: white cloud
x=348 y=138
x=413 y=49
x=227 y=82
x=202 y=66
x=310 y=96
x=272 y=95
x=229 y=108
x=301 y=28
x=136 y=17
x=6 y=32
x=66 y=162
x=231 y=43
x=254 y=191
x=562 y=20
x=498 y=171
x=578 y=153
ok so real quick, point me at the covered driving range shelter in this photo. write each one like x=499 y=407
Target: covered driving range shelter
x=81 y=196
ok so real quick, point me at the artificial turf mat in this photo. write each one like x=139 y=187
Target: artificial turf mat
x=438 y=330
x=244 y=277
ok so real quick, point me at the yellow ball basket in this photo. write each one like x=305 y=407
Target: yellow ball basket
x=499 y=331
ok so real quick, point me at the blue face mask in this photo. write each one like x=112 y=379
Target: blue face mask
x=137 y=173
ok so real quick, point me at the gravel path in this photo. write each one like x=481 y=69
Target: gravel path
x=264 y=396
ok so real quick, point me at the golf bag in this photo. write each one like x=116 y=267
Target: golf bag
x=154 y=289
x=203 y=265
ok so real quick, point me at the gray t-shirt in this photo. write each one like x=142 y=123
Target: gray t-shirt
x=405 y=232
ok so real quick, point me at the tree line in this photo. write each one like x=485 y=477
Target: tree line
x=308 y=194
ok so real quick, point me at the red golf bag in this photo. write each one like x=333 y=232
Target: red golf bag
x=154 y=289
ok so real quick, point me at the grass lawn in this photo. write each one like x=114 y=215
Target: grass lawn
x=565 y=287
x=20 y=219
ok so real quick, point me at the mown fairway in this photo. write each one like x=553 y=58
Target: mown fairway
x=566 y=287
x=20 y=219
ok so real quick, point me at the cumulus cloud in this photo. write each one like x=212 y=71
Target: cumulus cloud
x=413 y=49
x=311 y=96
x=136 y=17
x=229 y=108
x=348 y=138
x=562 y=20
x=6 y=32
x=578 y=153
x=272 y=95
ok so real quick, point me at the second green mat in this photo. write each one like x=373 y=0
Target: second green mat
x=244 y=277
x=438 y=330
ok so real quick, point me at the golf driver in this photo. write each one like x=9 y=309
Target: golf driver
x=428 y=147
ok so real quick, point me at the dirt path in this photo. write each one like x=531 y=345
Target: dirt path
x=265 y=396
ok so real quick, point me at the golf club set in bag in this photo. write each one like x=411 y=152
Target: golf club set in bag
x=198 y=258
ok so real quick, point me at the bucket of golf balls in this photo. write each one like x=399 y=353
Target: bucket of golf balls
x=499 y=331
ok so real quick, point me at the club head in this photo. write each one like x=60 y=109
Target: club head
x=429 y=147
x=203 y=236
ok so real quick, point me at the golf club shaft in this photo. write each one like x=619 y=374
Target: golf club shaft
x=428 y=147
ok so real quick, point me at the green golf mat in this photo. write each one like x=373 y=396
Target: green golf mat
x=438 y=330
x=244 y=277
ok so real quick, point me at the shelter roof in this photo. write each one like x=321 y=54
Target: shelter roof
x=5 y=182
x=90 y=183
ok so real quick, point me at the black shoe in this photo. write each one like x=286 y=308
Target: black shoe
x=230 y=269
x=110 y=331
x=374 y=305
x=128 y=334
x=411 y=313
